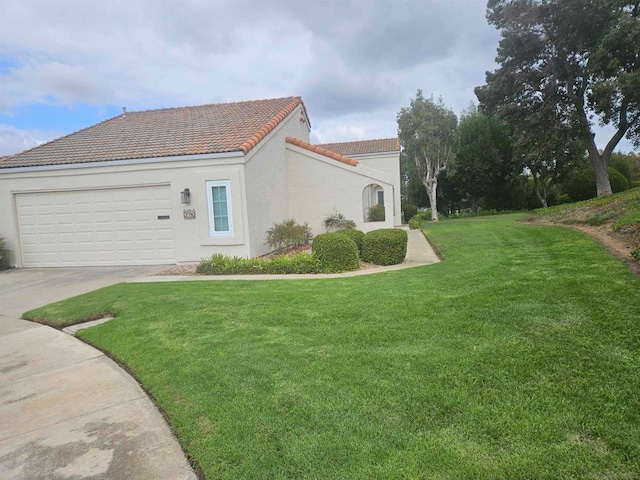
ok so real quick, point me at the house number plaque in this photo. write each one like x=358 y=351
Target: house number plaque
x=189 y=213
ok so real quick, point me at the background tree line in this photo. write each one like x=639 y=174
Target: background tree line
x=564 y=66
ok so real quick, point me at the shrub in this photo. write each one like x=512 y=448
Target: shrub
x=582 y=186
x=618 y=181
x=636 y=253
x=415 y=223
x=219 y=264
x=376 y=213
x=288 y=234
x=387 y=246
x=336 y=252
x=409 y=211
x=4 y=255
x=355 y=235
x=337 y=221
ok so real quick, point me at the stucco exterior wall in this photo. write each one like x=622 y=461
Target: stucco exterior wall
x=192 y=237
x=389 y=163
x=266 y=180
x=318 y=185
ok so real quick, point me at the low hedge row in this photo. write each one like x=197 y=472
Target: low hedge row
x=387 y=246
x=355 y=235
x=219 y=264
x=337 y=252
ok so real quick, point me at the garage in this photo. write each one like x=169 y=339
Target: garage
x=109 y=226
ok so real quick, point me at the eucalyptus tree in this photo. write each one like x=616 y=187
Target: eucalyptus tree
x=427 y=130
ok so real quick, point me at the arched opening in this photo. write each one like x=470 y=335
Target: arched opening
x=373 y=203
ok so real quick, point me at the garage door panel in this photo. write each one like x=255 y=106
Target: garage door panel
x=117 y=226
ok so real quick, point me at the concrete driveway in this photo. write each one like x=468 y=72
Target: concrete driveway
x=66 y=410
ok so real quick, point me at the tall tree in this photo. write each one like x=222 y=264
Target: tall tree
x=576 y=58
x=484 y=159
x=427 y=130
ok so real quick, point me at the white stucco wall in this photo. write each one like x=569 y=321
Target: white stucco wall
x=388 y=162
x=192 y=237
x=266 y=180
x=318 y=184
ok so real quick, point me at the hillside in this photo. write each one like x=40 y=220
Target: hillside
x=613 y=220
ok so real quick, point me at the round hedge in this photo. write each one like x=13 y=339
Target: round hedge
x=336 y=252
x=582 y=186
x=387 y=246
x=355 y=235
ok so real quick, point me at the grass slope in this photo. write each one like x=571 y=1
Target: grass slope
x=517 y=357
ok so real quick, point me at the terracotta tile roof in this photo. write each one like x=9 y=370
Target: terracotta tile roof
x=322 y=151
x=364 y=146
x=215 y=128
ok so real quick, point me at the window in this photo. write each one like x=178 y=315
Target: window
x=380 y=194
x=219 y=205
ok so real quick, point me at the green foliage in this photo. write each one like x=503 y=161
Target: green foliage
x=627 y=165
x=618 y=181
x=408 y=211
x=376 y=213
x=4 y=255
x=337 y=221
x=415 y=223
x=288 y=234
x=387 y=246
x=582 y=185
x=355 y=235
x=484 y=161
x=219 y=264
x=336 y=252
x=636 y=253
x=562 y=62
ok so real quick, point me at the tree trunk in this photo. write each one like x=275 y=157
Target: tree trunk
x=600 y=164
x=432 y=187
x=474 y=204
x=536 y=187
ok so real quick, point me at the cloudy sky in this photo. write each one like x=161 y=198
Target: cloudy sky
x=67 y=64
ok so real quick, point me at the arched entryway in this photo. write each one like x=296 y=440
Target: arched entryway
x=373 y=203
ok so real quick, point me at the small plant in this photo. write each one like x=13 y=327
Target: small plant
x=376 y=213
x=336 y=252
x=219 y=264
x=337 y=221
x=387 y=246
x=288 y=234
x=355 y=235
x=636 y=253
x=4 y=255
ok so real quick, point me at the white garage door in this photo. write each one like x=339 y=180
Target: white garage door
x=116 y=226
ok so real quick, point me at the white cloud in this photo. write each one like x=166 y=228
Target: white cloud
x=14 y=140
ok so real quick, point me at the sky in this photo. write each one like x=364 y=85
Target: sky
x=68 y=64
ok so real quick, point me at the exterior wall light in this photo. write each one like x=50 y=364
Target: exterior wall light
x=185 y=196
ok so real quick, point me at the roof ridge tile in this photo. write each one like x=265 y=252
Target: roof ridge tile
x=321 y=151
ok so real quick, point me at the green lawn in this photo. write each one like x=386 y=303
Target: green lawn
x=517 y=358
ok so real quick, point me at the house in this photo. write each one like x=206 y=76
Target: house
x=178 y=184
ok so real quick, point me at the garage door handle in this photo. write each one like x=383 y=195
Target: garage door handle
x=163 y=217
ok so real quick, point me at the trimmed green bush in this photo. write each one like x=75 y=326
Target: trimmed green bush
x=4 y=255
x=219 y=264
x=582 y=186
x=415 y=223
x=355 y=235
x=387 y=246
x=376 y=213
x=336 y=252
x=619 y=182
